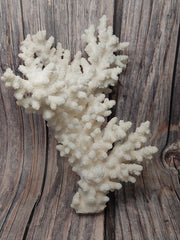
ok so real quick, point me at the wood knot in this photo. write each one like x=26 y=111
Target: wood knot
x=171 y=156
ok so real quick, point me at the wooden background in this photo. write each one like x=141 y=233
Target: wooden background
x=36 y=185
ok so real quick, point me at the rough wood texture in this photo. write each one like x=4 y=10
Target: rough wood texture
x=36 y=185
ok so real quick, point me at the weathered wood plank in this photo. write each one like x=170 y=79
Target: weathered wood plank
x=171 y=154
x=150 y=209
x=20 y=141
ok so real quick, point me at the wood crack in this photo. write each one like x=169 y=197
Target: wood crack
x=109 y=213
x=22 y=19
x=172 y=88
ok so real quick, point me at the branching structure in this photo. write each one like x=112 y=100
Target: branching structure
x=71 y=96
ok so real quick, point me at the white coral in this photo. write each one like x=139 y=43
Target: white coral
x=71 y=98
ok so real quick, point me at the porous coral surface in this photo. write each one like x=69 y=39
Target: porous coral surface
x=72 y=98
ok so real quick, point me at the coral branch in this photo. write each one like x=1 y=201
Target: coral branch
x=71 y=96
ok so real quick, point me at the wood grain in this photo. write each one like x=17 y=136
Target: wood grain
x=150 y=209
x=21 y=141
x=36 y=185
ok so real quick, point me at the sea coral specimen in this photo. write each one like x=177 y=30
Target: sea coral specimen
x=71 y=96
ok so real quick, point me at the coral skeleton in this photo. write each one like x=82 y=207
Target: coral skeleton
x=72 y=98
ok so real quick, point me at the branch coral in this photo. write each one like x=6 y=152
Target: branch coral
x=71 y=96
